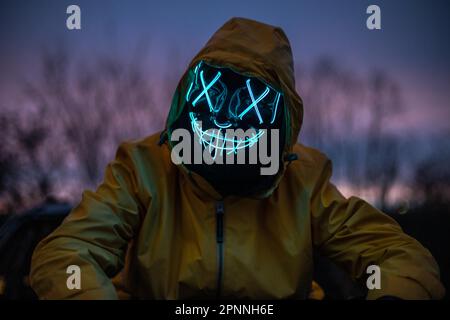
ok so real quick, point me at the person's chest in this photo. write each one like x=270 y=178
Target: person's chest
x=245 y=248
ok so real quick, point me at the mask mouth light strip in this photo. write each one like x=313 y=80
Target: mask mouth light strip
x=215 y=147
x=254 y=102
x=213 y=139
x=206 y=88
x=223 y=126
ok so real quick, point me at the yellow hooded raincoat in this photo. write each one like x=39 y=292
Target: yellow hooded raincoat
x=164 y=222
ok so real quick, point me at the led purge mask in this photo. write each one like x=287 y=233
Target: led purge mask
x=220 y=101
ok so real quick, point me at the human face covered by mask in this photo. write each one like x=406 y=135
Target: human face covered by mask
x=219 y=101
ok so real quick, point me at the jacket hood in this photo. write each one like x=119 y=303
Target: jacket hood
x=257 y=50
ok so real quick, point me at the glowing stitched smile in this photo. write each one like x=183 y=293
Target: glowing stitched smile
x=217 y=140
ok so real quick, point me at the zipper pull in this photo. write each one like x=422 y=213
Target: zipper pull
x=219 y=224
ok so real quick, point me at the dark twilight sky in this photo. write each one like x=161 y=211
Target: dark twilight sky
x=413 y=45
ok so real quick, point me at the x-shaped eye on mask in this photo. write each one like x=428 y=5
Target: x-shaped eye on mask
x=225 y=81
x=254 y=103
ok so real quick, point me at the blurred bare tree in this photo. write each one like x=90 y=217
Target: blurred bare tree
x=76 y=114
x=382 y=148
x=344 y=116
x=92 y=106
x=432 y=175
x=8 y=165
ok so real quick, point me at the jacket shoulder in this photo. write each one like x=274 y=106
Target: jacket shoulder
x=146 y=148
x=148 y=142
x=148 y=160
x=309 y=169
x=309 y=156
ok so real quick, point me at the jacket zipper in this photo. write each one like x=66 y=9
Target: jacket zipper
x=219 y=242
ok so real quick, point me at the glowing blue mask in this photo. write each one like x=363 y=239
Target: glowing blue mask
x=221 y=99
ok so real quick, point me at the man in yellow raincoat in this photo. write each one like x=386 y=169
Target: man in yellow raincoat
x=190 y=231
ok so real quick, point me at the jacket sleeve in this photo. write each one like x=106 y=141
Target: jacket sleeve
x=355 y=235
x=94 y=236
